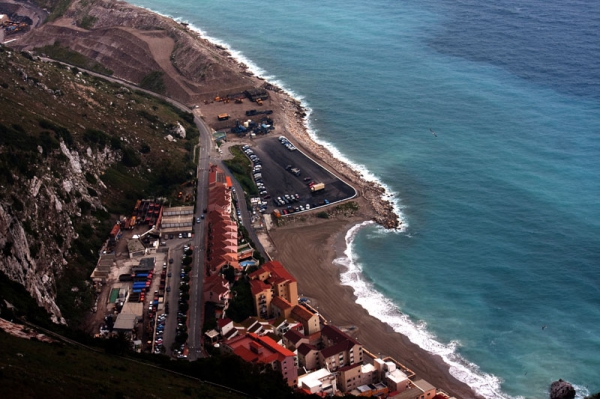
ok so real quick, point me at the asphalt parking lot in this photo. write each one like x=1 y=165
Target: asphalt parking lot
x=278 y=181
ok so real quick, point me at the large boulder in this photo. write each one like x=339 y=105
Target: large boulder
x=562 y=390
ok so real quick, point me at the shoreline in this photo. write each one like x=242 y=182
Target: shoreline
x=326 y=238
x=308 y=250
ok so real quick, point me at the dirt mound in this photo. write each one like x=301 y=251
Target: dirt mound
x=133 y=42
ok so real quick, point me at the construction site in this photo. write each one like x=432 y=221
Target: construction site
x=244 y=113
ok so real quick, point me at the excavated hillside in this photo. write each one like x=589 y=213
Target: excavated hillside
x=133 y=43
x=75 y=153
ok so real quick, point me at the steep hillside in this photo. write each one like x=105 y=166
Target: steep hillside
x=75 y=152
x=134 y=43
x=78 y=372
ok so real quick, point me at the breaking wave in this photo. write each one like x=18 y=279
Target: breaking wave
x=385 y=310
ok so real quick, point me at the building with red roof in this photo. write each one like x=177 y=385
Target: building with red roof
x=264 y=350
x=217 y=290
x=309 y=320
x=270 y=281
x=222 y=237
x=340 y=349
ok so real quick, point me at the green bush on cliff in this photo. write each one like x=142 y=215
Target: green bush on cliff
x=153 y=82
x=87 y=22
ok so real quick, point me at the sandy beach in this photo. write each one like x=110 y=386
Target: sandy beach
x=307 y=249
x=306 y=245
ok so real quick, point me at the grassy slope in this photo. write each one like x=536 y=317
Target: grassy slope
x=121 y=119
x=60 y=371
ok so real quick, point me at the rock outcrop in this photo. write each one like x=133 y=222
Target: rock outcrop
x=562 y=390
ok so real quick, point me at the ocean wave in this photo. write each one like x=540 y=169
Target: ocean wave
x=388 y=195
x=381 y=307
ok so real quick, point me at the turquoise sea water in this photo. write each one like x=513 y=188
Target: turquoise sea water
x=501 y=209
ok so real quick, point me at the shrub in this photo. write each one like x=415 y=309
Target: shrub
x=153 y=82
x=130 y=158
x=323 y=215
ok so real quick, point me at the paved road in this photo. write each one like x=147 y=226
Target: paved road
x=196 y=318
x=173 y=296
x=207 y=155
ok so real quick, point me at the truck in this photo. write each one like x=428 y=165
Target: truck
x=317 y=187
x=223 y=117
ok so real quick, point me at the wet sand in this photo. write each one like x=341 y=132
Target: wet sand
x=307 y=249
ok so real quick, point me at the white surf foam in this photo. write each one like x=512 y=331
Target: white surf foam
x=388 y=195
x=385 y=310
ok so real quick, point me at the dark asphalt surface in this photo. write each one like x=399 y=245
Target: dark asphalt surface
x=278 y=181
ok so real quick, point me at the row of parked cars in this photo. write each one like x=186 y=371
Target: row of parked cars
x=160 y=329
x=257 y=174
x=181 y=329
x=286 y=143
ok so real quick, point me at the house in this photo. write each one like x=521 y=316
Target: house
x=263 y=350
x=321 y=382
x=378 y=390
x=340 y=349
x=308 y=356
x=125 y=322
x=216 y=290
x=280 y=307
x=102 y=270
x=310 y=321
x=175 y=220
x=283 y=325
x=262 y=297
x=271 y=280
x=293 y=339
x=389 y=373
x=356 y=375
x=222 y=237
x=419 y=389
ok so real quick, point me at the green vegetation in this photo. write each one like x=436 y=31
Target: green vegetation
x=30 y=136
x=348 y=206
x=241 y=306
x=58 y=7
x=75 y=371
x=154 y=82
x=96 y=138
x=241 y=169
x=323 y=215
x=64 y=54
x=87 y=22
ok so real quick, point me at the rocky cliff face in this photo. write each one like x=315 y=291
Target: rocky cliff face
x=36 y=221
x=60 y=131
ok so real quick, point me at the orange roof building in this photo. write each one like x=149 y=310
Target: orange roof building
x=222 y=237
x=280 y=283
x=263 y=350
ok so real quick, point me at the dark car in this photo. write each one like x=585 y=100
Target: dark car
x=171 y=260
